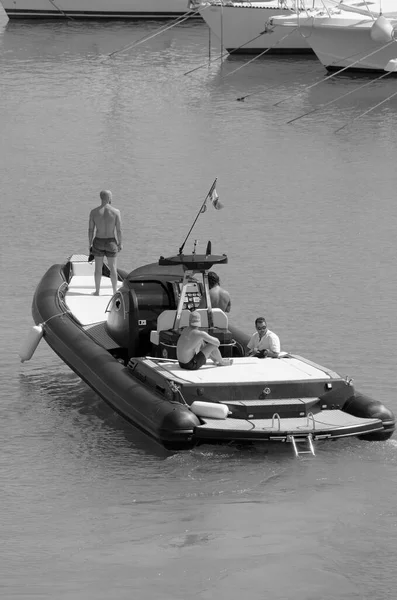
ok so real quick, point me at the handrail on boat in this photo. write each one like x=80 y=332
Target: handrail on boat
x=61 y=299
x=274 y=417
x=310 y=416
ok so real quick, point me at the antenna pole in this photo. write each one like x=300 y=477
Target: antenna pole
x=202 y=209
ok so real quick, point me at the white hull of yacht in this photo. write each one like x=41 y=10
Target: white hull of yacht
x=95 y=9
x=342 y=41
x=241 y=28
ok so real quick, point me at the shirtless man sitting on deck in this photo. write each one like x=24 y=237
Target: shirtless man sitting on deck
x=195 y=346
x=105 y=225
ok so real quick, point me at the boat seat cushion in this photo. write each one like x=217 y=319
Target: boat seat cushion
x=166 y=321
x=219 y=318
x=83 y=269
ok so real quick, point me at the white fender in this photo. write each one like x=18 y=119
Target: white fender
x=211 y=410
x=391 y=65
x=382 y=30
x=32 y=341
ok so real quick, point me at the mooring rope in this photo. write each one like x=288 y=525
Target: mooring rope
x=340 y=97
x=61 y=11
x=367 y=111
x=336 y=72
x=261 y=54
x=296 y=94
x=159 y=31
x=226 y=53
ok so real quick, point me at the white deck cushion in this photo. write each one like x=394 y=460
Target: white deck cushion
x=88 y=282
x=83 y=268
x=246 y=370
x=166 y=320
x=87 y=308
x=219 y=318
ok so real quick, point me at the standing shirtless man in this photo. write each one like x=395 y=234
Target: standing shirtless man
x=104 y=236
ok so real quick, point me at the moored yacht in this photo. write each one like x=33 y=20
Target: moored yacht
x=96 y=9
x=352 y=35
x=245 y=28
x=241 y=28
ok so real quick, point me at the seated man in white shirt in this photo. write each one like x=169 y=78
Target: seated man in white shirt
x=263 y=342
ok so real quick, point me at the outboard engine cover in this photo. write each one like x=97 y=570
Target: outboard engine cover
x=122 y=322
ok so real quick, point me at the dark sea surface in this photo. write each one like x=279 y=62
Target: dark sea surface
x=90 y=508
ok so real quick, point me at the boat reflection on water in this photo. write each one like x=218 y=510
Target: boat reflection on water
x=62 y=406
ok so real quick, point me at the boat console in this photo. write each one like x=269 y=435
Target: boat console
x=214 y=320
x=148 y=312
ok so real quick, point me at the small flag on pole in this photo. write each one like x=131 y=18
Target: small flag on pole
x=215 y=200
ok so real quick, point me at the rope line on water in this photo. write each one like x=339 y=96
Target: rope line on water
x=220 y=56
x=226 y=53
x=367 y=111
x=242 y=98
x=258 y=56
x=159 y=31
x=339 y=97
x=336 y=72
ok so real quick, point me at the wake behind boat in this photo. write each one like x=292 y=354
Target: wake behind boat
x=124 y=347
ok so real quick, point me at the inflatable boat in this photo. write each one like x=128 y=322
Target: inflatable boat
x=124 y=347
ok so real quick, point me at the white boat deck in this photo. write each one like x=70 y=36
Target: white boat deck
x=322 y=422
x=85 y=307
x=244 y=370
x=91 y=312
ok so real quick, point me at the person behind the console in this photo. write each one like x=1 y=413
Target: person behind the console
x=219 y=297
x=195 y=346
x=263 y=342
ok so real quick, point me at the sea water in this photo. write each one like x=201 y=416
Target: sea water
x=91 y=508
